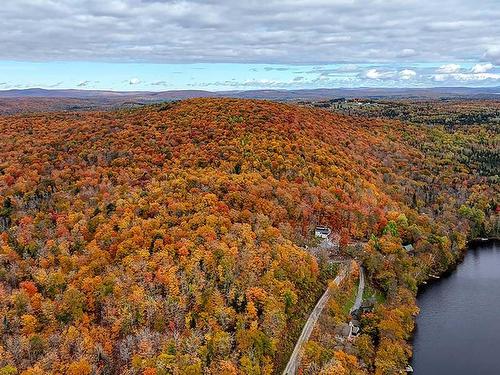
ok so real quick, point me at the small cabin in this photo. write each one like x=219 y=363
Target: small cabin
x=409 y=248
x=322 y=232
x=355 y=329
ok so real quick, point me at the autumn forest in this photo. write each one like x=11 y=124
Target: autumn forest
x=176 y=238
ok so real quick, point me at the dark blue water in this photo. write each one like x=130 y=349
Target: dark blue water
x=458 y=329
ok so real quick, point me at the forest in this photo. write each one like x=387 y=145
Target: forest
x=172 y=238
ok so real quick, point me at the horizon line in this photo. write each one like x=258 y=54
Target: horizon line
x=256 y=89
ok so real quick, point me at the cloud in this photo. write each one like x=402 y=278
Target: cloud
x=160 y=83
x=467 y=77
x=492 y=54
x=407 y=74
x=57 y=84
x=475 y=76
x=407 y=52
x=333 y=72
x=253 y=83
x=83 y=83
x=266 y=83
x=439 y=77
x=480 y=72
x=267 y=32
x=278 y=68
x=482 y=68
x=348 y=68
x=377 y=74
x=134 y=81
x=452 y=26
x=373 y=74
x=448 y=69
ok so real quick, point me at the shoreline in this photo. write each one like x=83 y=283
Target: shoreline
x=477 y=241
x=431 y=281
x=452 y=268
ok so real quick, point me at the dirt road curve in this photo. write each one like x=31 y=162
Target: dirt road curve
x=293 y=363
x=361 y=289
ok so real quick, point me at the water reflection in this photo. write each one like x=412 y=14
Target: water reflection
x=458 y=329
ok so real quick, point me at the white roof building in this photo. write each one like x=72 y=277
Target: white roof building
x=322 y=232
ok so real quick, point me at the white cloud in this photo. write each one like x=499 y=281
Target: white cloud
x=475 y=76
x=453 y=72
x=492 y=54
x=134 y=81
x=466 y=77
x=373 y=74
x=482 y=68
x=377 y=74
x=439 y=77
x=160 y=83
x=407 y=74
x=448 y=69
x=347 y=68
x=407 y=52
x=253 y=83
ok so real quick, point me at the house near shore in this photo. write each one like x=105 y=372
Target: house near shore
x=409 y=248
x=322 y=232
x=354 y=328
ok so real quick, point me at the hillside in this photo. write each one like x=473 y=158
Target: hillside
x=42 y=100
x=171 y=238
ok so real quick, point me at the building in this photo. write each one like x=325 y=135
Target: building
x=409 y=248
x=354 y=327
x=322 y=232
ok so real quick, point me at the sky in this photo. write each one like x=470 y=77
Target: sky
x=221 y=45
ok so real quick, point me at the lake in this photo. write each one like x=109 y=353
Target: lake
x=458 y=329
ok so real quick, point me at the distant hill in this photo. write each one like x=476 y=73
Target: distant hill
x=313 y=94
x=258 y=94
x=41 y=100
x=83 y=94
